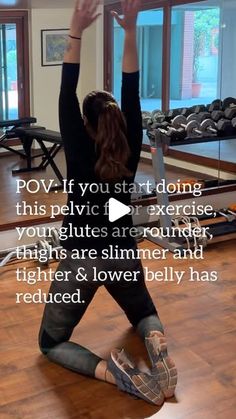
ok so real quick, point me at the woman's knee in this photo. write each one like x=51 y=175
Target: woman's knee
x=46 y=342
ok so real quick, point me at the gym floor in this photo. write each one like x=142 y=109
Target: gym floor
x=199 y=318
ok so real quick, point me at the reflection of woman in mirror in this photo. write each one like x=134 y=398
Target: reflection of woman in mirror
x=104 y=145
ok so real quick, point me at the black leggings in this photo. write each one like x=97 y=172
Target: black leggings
x=60 y=319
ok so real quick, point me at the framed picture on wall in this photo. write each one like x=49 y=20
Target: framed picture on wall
x=53 y=44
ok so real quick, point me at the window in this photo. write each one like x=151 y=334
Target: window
x=150 y=29
x=186 y=58
x=8 y=82
x=195 y=64
x=14 y=65
x=201 y=62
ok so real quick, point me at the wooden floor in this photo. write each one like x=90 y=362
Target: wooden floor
x=200 y=322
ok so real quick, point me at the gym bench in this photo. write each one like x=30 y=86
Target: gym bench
x=8 y=131
x=27 y=136
x=27 y=133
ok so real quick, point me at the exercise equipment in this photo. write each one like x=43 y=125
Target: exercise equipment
x=169 y=115
x=15 y=123
x=177 y=241
x=199 y=108
x=27 y=132
x=191 y=128
x=224 y=221
x=146 y=119
x=171 y=134
x=206 y=124
x=50 y=246
x=217 y=115
x=158 y=116
x=223 y=126
x=185 y=112
x=228 y=102
x=27 y=136
x=216 y=105
x=230 y=113
x=198 y=116
x=8 y=131
x=233 y=122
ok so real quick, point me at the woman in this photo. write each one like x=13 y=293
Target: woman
x=102 y=147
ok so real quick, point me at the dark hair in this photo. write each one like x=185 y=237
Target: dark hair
x=110 y=132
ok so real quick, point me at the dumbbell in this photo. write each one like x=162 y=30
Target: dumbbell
x=172 y=113
x=172 y=134
x=166 y=135
x=198 y=116
x=156 y=125
x=158 y=116
x=185 y=112
x=191 y=128
x=223 y=126
x=192 y=117
x=198 y=109
x=217 y=115
x=228 y=102
x=230 y=112
x=233 y=123
x=146 y=119
x=202 y=116
x=216 y=105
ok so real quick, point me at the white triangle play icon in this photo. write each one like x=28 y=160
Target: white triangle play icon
x=117 y=210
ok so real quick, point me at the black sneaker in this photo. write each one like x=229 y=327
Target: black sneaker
x=133 y=381
x=163 y=367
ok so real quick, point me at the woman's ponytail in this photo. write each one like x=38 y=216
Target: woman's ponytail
x=111 y=138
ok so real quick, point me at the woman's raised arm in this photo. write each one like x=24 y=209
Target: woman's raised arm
x=130 y=100
x=84 y=15
x=71 y=122
x=130 y=10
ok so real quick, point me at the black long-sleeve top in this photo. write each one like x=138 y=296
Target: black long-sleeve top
x=81 y=157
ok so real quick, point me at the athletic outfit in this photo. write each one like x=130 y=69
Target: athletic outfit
x=59 y=320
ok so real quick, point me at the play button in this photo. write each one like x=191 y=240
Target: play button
x=117 y=210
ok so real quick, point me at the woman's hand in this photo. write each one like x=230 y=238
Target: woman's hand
x=130 y=10
x=84 y=15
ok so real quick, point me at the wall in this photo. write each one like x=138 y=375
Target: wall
x=45 y=81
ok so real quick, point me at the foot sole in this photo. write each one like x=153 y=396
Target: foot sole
x=163 y=367
x=135 y=382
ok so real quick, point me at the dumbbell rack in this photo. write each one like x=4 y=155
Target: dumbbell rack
x=165 y=222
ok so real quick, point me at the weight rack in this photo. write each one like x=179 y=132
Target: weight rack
x=156 y=143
